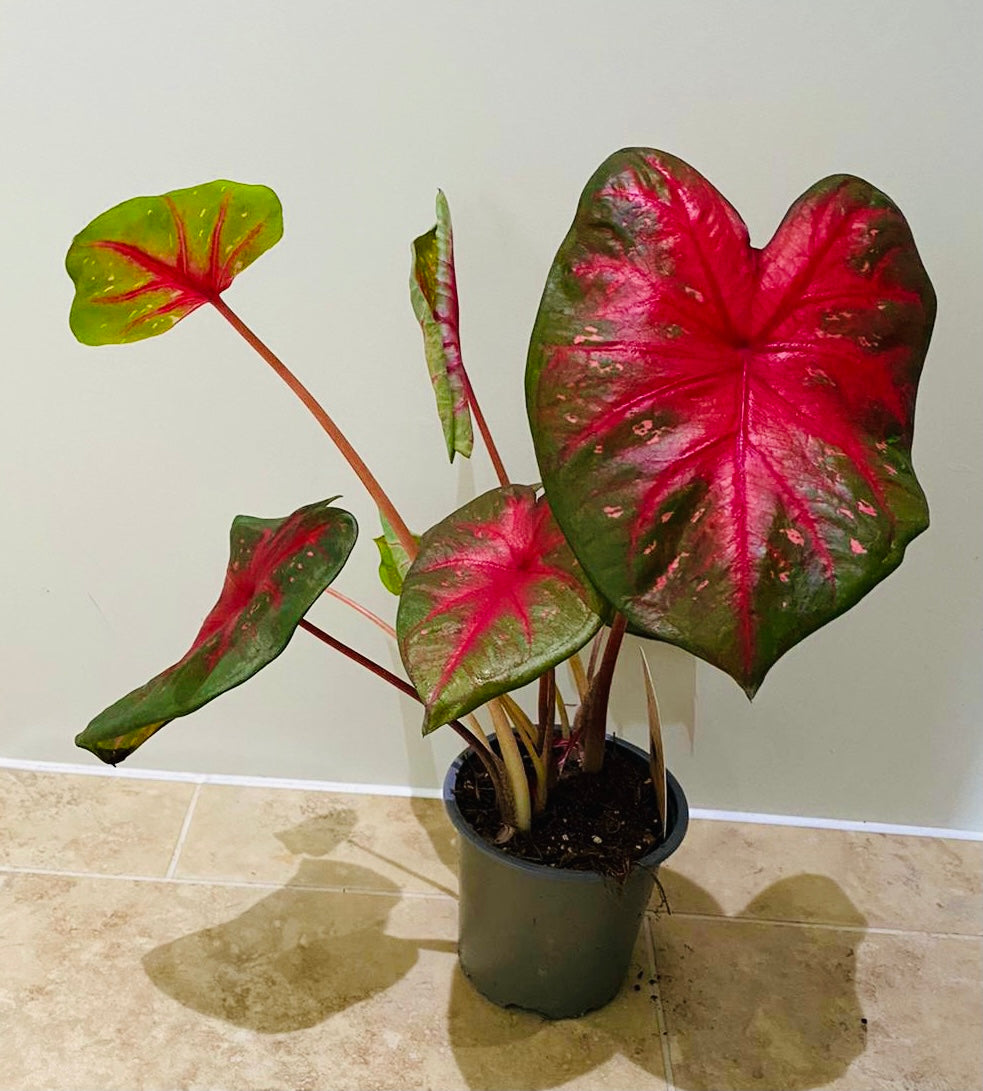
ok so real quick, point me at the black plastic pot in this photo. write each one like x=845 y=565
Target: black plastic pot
x=544 y=939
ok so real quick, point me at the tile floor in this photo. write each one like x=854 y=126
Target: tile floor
x=163 y=935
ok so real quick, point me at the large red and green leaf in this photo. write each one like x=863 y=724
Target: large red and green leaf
x=494 y=598
x=724 y=432
x=433 y=293
x=142 y=266
x=277 y=569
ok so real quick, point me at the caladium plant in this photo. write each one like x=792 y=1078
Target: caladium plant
x=724 y=437
x=724 y=432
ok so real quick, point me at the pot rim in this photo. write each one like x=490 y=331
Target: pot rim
x=677 y=814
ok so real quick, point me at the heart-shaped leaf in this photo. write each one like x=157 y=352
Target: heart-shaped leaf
x=142 y=266
x=724 y=433
x=493 y=599
x=277 y=568
x=433 y=293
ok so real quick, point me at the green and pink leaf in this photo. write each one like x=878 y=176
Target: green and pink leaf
x=433 y=293
x=494 y=598
x=724 y=433
x=394 y=561
x=147 y=263
x=277 y=569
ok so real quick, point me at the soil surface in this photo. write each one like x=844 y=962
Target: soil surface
x=602 y=822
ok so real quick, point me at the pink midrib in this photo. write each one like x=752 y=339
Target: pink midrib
x=191 y=289
x=254 y=578
x=738 y=336
x=511 y=590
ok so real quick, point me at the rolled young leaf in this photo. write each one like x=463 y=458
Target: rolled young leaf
x=433 y=293
x=394 y=561
x=724 y=433
x=277 y=569
x=142 y=266
x=494 y=598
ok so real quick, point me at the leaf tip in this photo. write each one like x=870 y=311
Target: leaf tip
x=110 y=757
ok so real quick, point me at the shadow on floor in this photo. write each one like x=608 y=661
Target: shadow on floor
x=748 y=1005
x=752 y=1004
x=297 y=956
x=433 y=819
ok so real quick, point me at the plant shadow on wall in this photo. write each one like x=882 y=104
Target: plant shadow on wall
x=748 y=1004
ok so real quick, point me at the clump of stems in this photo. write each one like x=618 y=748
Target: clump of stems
x=525 y=763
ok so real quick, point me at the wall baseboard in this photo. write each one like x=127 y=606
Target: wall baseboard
x=434 y=793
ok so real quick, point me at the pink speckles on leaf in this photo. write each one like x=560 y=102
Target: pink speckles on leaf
x=516 y=605
x=433 y=293
x=149 y=262
x=779 y=384
x=266 y=593
x=856 y=547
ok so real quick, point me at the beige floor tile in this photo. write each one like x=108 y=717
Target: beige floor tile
x=886 y=880
x=359 y=842
x=763 y=1006
x=109 y=825
x=117 y=984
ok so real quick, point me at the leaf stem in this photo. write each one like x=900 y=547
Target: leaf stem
x=363 y=610
x=594 y=710
x=387 y=676
x=515 y=770
x=496 y=458
x=362 y=471
x=526 y=731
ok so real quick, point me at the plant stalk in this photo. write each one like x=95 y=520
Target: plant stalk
x=364 y=474
x=526 y=732
x=387 y=676
x=515 y=770
x=489 y=759
x=496 y=458
x=363 y=610
x=593 y=712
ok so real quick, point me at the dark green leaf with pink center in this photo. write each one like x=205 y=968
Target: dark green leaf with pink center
x=724 y=433
x=277 y=569
x=494 y=598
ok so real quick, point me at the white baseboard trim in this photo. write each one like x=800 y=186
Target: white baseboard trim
x=131 y=773
x=342 y=787
x=834 y=824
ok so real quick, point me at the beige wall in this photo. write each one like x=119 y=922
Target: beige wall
x=123 y=467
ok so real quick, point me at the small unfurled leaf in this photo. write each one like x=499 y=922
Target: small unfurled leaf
x=433 y=293
x=277 y=569
x=657 y=753
x=394 y=561
x=724 y=433
x=494 y=598
x=142 y=266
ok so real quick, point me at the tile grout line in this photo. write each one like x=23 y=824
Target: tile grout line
x=246 y=884
x=260 y=884
x=874 y=930
x=660 y=1012
x=185 y=826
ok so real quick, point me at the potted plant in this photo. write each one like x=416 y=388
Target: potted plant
x=724 y=438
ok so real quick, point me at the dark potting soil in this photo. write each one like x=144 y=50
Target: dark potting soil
x=603 y=822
